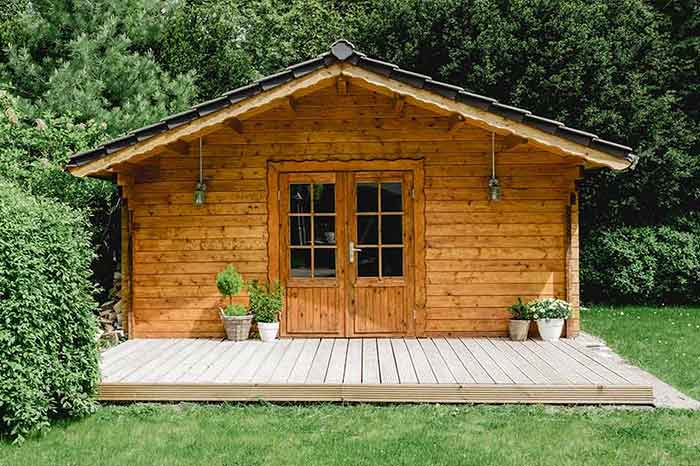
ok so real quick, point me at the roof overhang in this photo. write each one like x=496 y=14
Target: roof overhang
x=344 y=63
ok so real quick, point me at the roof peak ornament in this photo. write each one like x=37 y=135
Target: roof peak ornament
x=342 y=49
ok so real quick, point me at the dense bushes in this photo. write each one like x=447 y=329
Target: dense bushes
x=48 y=354
x=657 y=264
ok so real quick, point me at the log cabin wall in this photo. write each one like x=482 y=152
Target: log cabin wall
x=479 y=256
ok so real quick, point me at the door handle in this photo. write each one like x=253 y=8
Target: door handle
x=352 y=250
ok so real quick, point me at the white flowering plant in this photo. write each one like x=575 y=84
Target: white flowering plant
x=549 y=308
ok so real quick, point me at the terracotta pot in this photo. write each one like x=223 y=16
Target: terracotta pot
x=518 y=329
x=237 y=327
x=550 y=329
x=268 y=330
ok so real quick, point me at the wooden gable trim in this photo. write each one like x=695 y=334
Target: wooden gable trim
x=481 y=118
x=274 y=97
x=286 y=95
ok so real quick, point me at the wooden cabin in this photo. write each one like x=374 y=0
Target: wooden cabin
x=366 y=189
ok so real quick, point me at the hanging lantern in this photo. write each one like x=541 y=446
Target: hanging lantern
x=494 y=190
x=199 y=194
x=494 y=187
x=201 y=188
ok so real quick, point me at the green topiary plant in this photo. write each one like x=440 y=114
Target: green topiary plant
x=230 y=283
x=234 y=310
x=520 y=310
x=549 y=308
x=266 y=301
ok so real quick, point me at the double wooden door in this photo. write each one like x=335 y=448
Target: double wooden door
x=346 y=253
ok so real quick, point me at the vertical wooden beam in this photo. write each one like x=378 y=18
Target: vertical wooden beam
x=342 y=86
x=399 y=103
x=573 y=325
x=126 y=227
x=419 y=245
x=291 y=103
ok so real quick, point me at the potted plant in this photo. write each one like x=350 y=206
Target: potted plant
x=550 y=314
x=266 y=302
x=235 y=317
x=519 y=325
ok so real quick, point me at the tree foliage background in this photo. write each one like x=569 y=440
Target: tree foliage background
x=627 y=70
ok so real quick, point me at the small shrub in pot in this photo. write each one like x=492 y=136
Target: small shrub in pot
x=235 y=316
x=266 y=302
x=519 y=325
x=550 y=314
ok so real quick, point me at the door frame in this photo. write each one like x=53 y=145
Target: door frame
x=274 y=223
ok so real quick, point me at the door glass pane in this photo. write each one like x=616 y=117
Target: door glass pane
x=324 y=198
x=367 y=197
x=324 y=229
x=300 y=262
x=391 y=197
x=299 y=198
x=324 y=262
x=368 y=262
x=392 y=262
x=367 y=229
x=300 y=231
x=392 y=231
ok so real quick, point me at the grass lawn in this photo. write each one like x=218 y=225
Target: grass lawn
x=661 y=340
x=326 y=435
x=665 y=341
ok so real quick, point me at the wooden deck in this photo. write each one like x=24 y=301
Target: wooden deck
x=452 y=370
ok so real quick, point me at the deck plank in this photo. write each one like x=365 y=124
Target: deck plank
x=584 y=357
x=267 y=368
x=490 y=366
x=513 y=371
x=476 y=371
x=195 y=358
x=437 y=363
x=568 y=361
x=556 y=362
x=142 y=353
x=530 y=370
x=210 y=357
x=459 y=372
x=155 y=364
x=319 y=367
x=303 y=364
x=370 y=361
x=336 y=365
x=286 y=365
x=353 y=362
x=227 y=352
x=404 y=365
x=388 y=373
x=550 y=373
x=246 y=371
x=420 y=361
x=117 y=353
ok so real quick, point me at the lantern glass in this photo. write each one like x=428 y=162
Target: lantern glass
x=494 y=190
x=199 y=194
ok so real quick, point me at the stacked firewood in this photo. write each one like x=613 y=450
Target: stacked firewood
x=110 y=316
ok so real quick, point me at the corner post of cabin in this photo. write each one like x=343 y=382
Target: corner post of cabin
x=572 y=266
x=125 y=185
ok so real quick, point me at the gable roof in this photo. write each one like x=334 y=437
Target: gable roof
x=512 y=120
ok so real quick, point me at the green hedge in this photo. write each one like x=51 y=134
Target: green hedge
x=650 y=264
x=48 y=354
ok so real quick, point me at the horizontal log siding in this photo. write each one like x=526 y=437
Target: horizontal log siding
x=479 y=256
x=482 y=256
